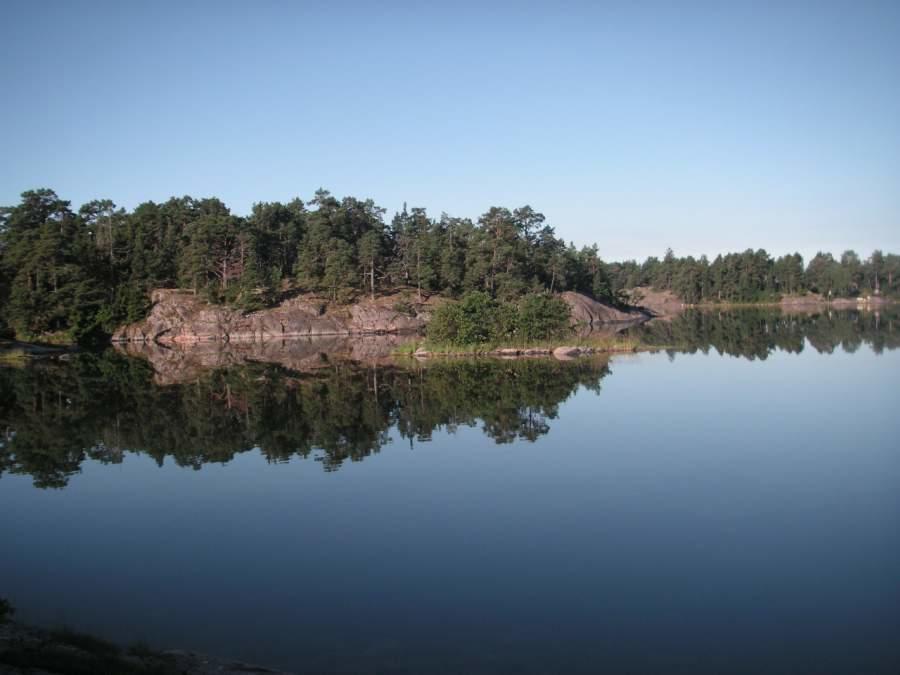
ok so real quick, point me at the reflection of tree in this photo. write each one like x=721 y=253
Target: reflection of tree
x=756 y=333
x=54 y=415
x=100 y=406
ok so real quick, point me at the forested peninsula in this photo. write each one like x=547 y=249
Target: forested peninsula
x=70 y=275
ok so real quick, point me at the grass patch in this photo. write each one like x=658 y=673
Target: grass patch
x=13 y=357
x=594 y=343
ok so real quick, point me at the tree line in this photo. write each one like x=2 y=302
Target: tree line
x=78 y=274
x=755 y=276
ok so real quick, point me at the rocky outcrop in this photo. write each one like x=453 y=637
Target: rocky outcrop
x=657 y=303
x=181 y=317
x=586 y=311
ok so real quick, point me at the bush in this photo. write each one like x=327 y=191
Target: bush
x=468 y=321
x=542 y=317
x=477 y=319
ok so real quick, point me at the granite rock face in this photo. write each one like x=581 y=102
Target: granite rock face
x=181 y=317
x=589 y=312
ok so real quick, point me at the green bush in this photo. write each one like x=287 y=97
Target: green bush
x=542 y=317
x=477 y=319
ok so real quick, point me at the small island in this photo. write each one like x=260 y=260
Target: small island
x=189 y=270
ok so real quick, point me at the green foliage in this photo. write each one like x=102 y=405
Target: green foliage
x=477 y=319
x=754 y=276
x=541 y=317
x=82 y=274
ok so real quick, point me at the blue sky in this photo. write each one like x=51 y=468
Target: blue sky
x=637 y=125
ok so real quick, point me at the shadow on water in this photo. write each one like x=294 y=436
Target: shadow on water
x=335 y=400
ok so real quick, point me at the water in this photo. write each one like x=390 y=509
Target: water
x=730 y=504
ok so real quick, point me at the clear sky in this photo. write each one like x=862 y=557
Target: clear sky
x=639 y=125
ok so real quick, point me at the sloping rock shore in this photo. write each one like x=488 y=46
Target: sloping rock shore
x=181 y=317
x=591 y=313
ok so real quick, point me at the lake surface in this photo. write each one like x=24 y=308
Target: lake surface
x=730 y=503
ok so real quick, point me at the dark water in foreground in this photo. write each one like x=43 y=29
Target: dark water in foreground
x=729 y=505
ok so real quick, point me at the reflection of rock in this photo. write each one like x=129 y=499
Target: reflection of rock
x=179 y=363
x=564 y=353
x=588 y=312
x=181 y=317
x=609 y=330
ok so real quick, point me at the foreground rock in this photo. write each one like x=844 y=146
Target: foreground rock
x=181 y=317
x=26 y=650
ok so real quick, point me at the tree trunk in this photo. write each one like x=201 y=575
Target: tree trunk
x=419 y=272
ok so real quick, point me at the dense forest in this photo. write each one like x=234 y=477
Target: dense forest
x=79 y=274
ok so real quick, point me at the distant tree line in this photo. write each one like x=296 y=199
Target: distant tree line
x=755 y=276
x=80 y=274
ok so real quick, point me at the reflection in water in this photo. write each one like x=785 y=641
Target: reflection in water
x=56 y=415
x=755 y=333
x=208 y=402
x=173 y=364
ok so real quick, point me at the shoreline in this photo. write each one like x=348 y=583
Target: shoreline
x=562 y=350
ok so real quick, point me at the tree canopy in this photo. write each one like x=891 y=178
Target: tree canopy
x=77 y=275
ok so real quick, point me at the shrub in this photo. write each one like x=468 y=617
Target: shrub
x=542 y=317
x=469 y=321
x=477 y=318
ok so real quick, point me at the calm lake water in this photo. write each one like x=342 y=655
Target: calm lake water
x=728 y=504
